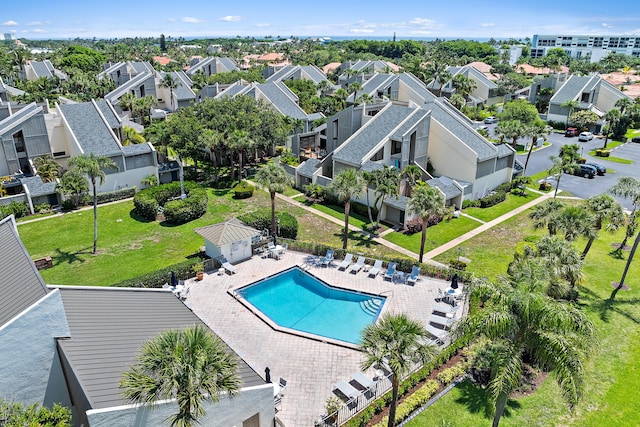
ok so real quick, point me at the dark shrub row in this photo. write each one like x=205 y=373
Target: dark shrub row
x=155 y=279
x=184 y=210
x=261 y=220
x=112 y=196
x=147 y=201
x=243 y=190
x=18 y=209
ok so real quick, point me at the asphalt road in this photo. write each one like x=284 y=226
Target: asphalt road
x=579 y=186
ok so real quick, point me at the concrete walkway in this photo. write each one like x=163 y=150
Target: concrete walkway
x=487 y=225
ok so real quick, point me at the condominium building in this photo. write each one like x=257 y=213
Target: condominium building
x=594 y=47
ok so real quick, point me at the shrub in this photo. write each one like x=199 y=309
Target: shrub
x=603 y=153
x=147 y=202
x=448 y=375
x=42 y=208
x=112 y=196
x=155 y=279
x=362 y=210
x=18 y=209
x=243 y=190
x=413 y=402
x=315 y=192
x=457 y=265
x=492 y=199
x=467 y=203
x=13 y=414
x=414 y=225
x=545 y=186
x=68 y=205
x=184 y=210
x=261 y=220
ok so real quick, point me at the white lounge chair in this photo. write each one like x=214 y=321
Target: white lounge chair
x=347 y=389
x=413 y=277
x=346 y=262
x=230 y=268
x=443 y=321
x=444 y=308
x=363 y=380
x=326 y=260
x=357 y=266
x=391 y=271
x=438 y=333
x=376 y=268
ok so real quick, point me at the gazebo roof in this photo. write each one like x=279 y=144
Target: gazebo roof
x=227 y=232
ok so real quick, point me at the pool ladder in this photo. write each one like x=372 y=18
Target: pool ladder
x=371 y=306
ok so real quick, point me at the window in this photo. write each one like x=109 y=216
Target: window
x=335 y=130
x=254 y=421
x=396 y=147
x=378 y=156
x=18 y=141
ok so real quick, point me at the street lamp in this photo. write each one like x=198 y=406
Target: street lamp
x=459 y=250
x=278 y=227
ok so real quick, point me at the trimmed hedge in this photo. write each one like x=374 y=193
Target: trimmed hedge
x=603 y=153
x=493 y=199
x=18 y=209
x=447 y=376
x=112 y=196
x=261 y=220
x=413 y=402
x=243 y=190
x=147 y=202
x=156 y=279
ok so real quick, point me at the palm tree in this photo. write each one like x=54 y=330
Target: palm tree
x=412 y=173
x=240 y=141
x=371 y=181
x=626 y=268
x=398 y=342
x=512 y=129
x=622 y=104
x=387 y=184
x=522 y=322
x=437 y=72
x=464 y=85
x=426 y=201
x=347 y=184
x=168 y=82
x=355 y=87
x=191 y=366
x=604 y=208
x=537 y=129
x=93 y=166
x=566 y=162
x=546 y=213
x=128 y=102
x=275 y=179
x=131 y=136
x=73 y=184
x=47 y=168
x=560 y=259
x=612 y=117
x=575 y=221
x=571 y=104
x=628 y=188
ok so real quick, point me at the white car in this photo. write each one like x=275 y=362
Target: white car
x=491 y=119
x=585 y=136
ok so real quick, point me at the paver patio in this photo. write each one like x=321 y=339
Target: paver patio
x=311 y=367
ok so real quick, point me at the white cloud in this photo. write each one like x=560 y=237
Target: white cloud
x=262 y=24
x=230 y=18
x=487 y=24
x=10 y=24
x=191 y=20
x=422 y=22
x=362 y=30
x=38 y=23
x=605 y=25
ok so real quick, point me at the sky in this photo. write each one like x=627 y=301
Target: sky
x=68 y=19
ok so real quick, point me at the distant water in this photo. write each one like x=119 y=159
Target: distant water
x=390 y=38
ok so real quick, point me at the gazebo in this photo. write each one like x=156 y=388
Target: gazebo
x=230 y=239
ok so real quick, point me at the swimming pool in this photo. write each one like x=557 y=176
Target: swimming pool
x=297 y=300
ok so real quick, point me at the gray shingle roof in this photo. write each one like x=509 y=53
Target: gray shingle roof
x=37 y=187
x=281 y=100
x=20 y=283
x=504 y=150
x=354 y=150
x=41 y=69
x=111 y=69
x=417 y=86
x=127 y=86
x=183 y=91
x=446 y=185
x=108 y=327
x=229 y=64
x=232 y=90
x=399 y=202
x=135 y=149
x=109 y=114
x=571 y=89
x=309 y=167
x=18 y=117
x=142 y=67
x=91 y=132
x=459 y=127
x=224 y=233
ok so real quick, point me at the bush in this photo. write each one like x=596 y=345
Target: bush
x=457 y=265
x=447 y=376
x=315 y=191
x=362 y=210
x=545 y=186
x=14 y=414
x=243 y=190
x=492 y=199
x=156 y=279
x=18 y=209
x=68 y=205
x=147 y=202
x=112 y=196
x=413 y=402
x=261 y=220
x=414 y=225
x=603 y=153
x=467 y=203
x=42 y=208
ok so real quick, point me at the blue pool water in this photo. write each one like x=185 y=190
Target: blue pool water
x=297 y=300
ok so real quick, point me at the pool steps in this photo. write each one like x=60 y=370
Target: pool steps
x=371 y=306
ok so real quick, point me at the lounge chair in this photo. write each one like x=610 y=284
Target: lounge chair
x=413 y=277
x=229 y=268
x=376 y=268
x=349 y=391
x=346 y=262
x=354 y=268
x=445 y=308
x=391 y=271
x=363 y=380
x=438 y=333
x=442 y=321
x=326 y=260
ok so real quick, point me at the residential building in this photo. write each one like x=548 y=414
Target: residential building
x=7 y=92
x=180 y=97
x=33 y=70
x=24 y=137
x=71 y=345
x=594 y=47
x=212 y=65
x=486 y=91
x=296 y=72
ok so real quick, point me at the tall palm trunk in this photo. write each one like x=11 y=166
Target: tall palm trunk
x=598 y=227
x=626 y=268
x=526 y=162
x=423 y=239
x=369 y=212
x=273 y=213
x=95 y=216
x=500 y=405
x=394 y=400
x=347 y=208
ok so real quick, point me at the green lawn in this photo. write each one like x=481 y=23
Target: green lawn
x=513 y=201
x=612 y=376
x=436 y=235
x=338 y=212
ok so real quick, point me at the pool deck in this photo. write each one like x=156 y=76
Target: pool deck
x=311 y=367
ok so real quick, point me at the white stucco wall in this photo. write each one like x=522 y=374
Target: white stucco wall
x=130 y=178
x=487 y=183
x=30 y=370
x=225 y=413
x=449 y=155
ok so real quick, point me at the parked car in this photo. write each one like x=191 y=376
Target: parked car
x=600 y=170
x=491 y=119
x=584 y=171
x=585 y=136
x=483 y=127
x=635 y=139
x=571 y=132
